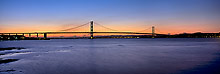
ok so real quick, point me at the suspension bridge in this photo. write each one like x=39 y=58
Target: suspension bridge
x=91 y=31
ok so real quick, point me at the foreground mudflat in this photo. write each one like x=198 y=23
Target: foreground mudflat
x=111 y=56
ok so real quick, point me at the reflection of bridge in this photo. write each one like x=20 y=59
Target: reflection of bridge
x=91 y=32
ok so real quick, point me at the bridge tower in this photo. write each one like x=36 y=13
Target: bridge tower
x=91 y=29
x=153 y=31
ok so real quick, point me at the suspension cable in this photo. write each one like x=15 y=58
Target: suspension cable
x=144 y=30
x=105 y=27
x=75 y=27
x=158 y=31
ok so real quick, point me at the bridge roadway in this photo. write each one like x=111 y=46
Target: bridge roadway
x=45 y=33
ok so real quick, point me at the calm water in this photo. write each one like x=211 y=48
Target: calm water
x=112 y=56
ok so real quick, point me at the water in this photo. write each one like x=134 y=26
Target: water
x=112 y=56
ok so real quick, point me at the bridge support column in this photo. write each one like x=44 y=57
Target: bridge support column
x=91 y=30
x=29 y=35
x=45 y=35
x=37 y=35
x=153 y=32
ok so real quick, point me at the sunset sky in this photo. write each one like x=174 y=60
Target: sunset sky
x=168 y=16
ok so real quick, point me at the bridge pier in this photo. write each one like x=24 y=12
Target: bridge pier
x=37 y=35
x=29 y=35
x=45 y=35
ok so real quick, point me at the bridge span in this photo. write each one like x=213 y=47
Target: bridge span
x=92 y=32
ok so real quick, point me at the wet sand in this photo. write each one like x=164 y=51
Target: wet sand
x=5 y=60
x=11 y=48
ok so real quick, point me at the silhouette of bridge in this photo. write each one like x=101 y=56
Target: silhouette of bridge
x=91 y=32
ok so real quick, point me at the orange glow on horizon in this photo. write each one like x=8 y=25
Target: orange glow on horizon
x=161 y=29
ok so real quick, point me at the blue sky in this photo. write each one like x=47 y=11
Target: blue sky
x=167 y=15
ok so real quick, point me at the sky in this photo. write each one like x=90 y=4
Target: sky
x=168 y=16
